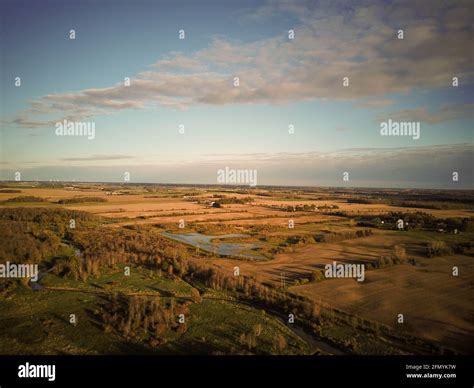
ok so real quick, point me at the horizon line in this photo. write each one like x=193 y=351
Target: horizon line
x=237 y=186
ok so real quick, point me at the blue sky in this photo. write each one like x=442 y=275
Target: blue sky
x=282 y=82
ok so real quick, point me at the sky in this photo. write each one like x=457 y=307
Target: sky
x=189 y=83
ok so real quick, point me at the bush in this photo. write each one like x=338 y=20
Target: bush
x=437 y=248
x=317 y=276
x=26 y=198
x=399 y=254
x=336 y=237
x=66 y=201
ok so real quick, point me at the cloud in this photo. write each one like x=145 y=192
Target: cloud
x=332 y=41
x=26 y=123
x=377 y=103
x=372 y=167
x=97 y=157
x=445 y=113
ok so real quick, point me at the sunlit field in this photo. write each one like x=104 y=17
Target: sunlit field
x=270 y=296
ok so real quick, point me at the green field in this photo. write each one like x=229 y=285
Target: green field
x=37 y=322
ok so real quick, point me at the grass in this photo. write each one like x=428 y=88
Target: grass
x=37 y=322
x=436 y=305
x=28 y=204
x=434 y=302
x=427 y=236
x=216 y=326
x=140 y=280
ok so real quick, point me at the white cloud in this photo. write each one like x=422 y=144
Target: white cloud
x=376 y=167
x=332 y=41
x=445 y=113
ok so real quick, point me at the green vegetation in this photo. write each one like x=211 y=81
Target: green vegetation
x=139 y=312
x=69 y=201
x=38 y=322
x=26 y=198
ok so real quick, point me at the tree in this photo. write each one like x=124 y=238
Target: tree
x=280 y=343
x=257 y=329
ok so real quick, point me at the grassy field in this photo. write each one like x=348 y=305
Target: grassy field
x=37 y=322
x=435 y=304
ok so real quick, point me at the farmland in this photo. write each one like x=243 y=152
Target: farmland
x=133 y=289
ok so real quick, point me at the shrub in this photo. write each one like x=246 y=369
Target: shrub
x=66 y=201
x=438 y=248
x=26 y=198
x=399 y=254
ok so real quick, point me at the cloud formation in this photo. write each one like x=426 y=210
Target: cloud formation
x=332 y=41
x=96 y=158
x=371 y=167
x=445 y=113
